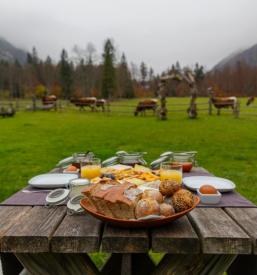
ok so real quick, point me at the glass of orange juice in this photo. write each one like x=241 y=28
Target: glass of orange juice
x=90 y=168
x=171 y=171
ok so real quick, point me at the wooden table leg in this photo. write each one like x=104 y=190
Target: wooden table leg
x=142 y=264
x=196 y=264
x=113 y=265
x=244 y=264
x=57 y=263
x=126 y=264
x=10 y=264
x=135 y=263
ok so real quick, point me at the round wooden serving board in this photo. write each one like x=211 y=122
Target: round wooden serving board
x=134 y=223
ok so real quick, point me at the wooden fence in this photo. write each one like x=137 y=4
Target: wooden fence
x=128 y=107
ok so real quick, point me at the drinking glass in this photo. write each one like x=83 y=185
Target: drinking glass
x=171 y=171
x=90 y=168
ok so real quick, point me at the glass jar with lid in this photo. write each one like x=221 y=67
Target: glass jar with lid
x=76 y=186
x=132 y=159
x=78 y=157
x=186 y=159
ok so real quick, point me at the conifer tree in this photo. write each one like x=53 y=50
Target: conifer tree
x=125 y=81
x=65 y=73
x=109 y=75
x=143 y=71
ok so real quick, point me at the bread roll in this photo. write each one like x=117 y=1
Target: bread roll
x=153 y=194
x=147 y=207
x=169 y=187
x=166 y=210
x=182 y=200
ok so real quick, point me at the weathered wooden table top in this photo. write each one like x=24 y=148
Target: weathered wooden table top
x=25 y=229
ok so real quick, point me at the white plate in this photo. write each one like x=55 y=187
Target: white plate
x=52 y=180
x=223 y=185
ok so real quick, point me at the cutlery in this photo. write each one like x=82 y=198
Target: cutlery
x=36 y=191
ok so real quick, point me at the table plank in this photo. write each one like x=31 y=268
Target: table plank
x=178 y=237
x=219 y=234
x=121 y=240
x=77 y=234
x=9 y=215
x=247 y=219
x=33 y=231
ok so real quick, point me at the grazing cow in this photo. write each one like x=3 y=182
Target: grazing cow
x=101 y=103
x=49 y=99
x=49 y=102
x=7 y=111
x=224 y=102
x=250 y=100
x=91 y=102
x=146 y=104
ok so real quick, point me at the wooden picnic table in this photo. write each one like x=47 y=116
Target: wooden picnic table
x=206 y=241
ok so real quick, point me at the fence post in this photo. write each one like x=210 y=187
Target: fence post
x=59 y=104
x=192 y=109
x=162 y=114
x=34 y=106
x=210 y=107
x=237 y=110
x=17 y=105
x=108 y=107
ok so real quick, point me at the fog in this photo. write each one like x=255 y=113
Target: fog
x=157 y=32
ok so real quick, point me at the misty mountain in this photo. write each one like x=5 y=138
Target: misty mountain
x=10 y=53
x=248 y=56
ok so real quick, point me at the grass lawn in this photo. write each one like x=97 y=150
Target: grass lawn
x=32 y=143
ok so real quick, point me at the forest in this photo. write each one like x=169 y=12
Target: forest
x=112 y=77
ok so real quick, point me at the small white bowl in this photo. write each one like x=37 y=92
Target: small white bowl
x=209 y=198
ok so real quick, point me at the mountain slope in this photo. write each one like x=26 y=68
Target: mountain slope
x=10 y=53
x=248 y=56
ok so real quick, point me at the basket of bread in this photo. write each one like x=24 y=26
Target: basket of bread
x=135 y=197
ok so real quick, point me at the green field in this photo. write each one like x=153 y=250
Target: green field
x=33 y=142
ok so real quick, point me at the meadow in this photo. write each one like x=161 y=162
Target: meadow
x=33 y=142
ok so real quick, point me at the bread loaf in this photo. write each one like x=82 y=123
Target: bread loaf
x=110 y=200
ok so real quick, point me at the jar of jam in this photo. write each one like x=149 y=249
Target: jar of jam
x=186 y=159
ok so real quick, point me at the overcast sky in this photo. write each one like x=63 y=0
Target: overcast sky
x=158 y=32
